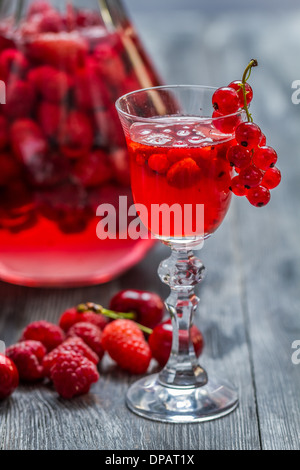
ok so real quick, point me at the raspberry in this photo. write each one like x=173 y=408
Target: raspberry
x=49 y=334
x=9 y=376
x=28 y=357
x=12 y=62
x=110 y=64
x=56 y=49
x=73 y=374
x=39 y=7
x=66 y=205
x=9 y=168
x=120 y=163
x=50 y=116
x=76 y=135
x=89 y=91
x=73 y=315
x=27 y=141
x=50 y=83
x=125 y=344
x=20 y=99
x=159 y=162
x=4 y=138
x=74 y=344
x=90 y=334
x=184 y=174
x=94 y=169
x=50 y=22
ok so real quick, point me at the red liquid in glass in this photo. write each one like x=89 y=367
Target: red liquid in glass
x=62 y=148
x=182 y=161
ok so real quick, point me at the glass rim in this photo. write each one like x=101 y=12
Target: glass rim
x=163 y=87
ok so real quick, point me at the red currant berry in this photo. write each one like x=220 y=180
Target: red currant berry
x=250 y=176
x=259 y=196
x=248 y=135
x=226 y=100
x=237 y=187
x=238 y=156
x=226 y=124
x=263 y=140
x=272 y=178
x=264 y=157
x=237 y=86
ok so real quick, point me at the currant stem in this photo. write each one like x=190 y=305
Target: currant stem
x=246 y=76
x=96 y=308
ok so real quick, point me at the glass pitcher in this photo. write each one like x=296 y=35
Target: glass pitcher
x=62 y=151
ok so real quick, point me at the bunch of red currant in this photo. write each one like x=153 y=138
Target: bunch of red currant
x=253 y=160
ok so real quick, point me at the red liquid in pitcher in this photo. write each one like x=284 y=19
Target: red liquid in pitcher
x=181 y=161
x=62 y=148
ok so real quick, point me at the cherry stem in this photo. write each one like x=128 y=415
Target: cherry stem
x=96 y=308
x=246 y=76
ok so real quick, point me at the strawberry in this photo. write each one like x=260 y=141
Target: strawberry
x=125 y=343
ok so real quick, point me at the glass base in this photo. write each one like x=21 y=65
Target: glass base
x=149 y=398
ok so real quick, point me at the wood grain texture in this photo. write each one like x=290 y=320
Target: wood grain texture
x=250 y=299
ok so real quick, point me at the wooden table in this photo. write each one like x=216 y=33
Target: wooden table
x=250 y=298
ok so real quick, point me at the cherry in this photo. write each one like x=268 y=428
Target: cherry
x=9 y=376
x=259 y=196
x=248 y=135
x=272 y=178
x=237 y=187
x=226 y=100
x=264 y=157
x=237 y=86
x=250 y=176
x=147 y=306
x=238 y=156
x=160 y=341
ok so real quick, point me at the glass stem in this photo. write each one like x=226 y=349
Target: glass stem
x=181 y=272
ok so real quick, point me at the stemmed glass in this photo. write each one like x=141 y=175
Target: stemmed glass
x=179 y=172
